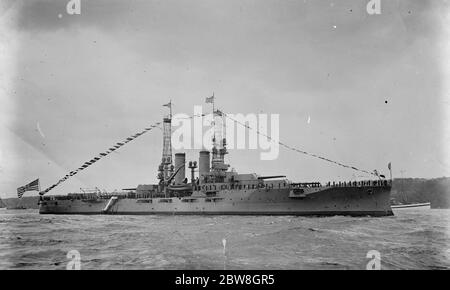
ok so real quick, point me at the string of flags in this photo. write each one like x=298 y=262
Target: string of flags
x=301 y=151
x=107 y=152
x=100 y=156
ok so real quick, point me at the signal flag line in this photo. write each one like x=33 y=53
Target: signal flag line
x=99 y=156
x=298 y=150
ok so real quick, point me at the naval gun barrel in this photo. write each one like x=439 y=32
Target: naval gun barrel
x=271 y=176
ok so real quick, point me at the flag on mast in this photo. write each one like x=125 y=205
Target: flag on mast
x=169 y=104
x=390 y=170
x=32 y=186
x=210 y=99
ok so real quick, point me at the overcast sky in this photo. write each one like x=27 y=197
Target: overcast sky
x=373 y=86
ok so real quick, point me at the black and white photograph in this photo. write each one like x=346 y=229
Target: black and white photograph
x=224 y=135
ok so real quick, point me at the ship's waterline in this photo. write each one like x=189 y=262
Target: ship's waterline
x=355 y=201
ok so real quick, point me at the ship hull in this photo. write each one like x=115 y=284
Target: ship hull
x=321 y=201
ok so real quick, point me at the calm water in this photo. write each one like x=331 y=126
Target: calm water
x=413 y=239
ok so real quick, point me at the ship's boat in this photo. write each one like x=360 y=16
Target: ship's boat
x=423 y=205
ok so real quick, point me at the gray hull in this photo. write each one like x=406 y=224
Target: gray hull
x=353 y=201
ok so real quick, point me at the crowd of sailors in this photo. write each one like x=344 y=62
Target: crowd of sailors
x=380 y=182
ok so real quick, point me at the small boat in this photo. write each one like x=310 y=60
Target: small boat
x=424 y=205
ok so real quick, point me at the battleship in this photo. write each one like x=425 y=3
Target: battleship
x=213 y=189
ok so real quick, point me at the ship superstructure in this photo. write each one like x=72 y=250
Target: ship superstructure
x=213 y=189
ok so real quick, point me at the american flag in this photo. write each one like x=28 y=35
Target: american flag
x=34 y=185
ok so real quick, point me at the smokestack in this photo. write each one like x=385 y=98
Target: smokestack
x=203 y=164
x=192 y=166
x=180 y=159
